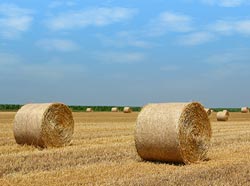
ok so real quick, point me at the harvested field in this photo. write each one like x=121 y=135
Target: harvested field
x=103 y=153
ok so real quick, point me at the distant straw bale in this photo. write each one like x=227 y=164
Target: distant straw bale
x=222 y=115
x=114 y=109
x=44 y=125
x=127 y=110
x=226 y=111
x=173 y=132
x=244 y=110
x=89 y=110
x=208 y=111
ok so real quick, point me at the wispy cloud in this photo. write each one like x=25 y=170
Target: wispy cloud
x=169 y=21
x=56 y=4
x=212 y=32
x=120 y=57
x=222 y=59
x=124 y=39
x=231 y=27
x=231 y=57
x=196 y=38
x=14 y=20
x=61 y=45
x=7 y=59
x=53 y=70
x=90 y=17
x=228 y=64
x=226 y=3
x=15 y=67
x=169 y=68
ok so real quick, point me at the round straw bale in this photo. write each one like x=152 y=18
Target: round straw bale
x=173 y=132
x=244 y=110
x=222 y=115
x=89 y=110
x=44 y=125
x=208 y=111
x=114 y=109
x=127 y=110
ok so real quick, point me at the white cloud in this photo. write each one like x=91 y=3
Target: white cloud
x=196 y=38
x=14 y=20
x=222 y=27
x=215 y=30
x=61 y=45
x=232 y=27
x=90 y=17
x=226 y=3
x=121 y=57
x=169 y=21
x=243 y=27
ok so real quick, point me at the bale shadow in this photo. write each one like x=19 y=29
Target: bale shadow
x=177 y=164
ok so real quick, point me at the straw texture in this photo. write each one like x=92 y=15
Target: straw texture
x=244 y=110
x=127 y=110
x=114 y=109
x=173 y=132
x=222 y=115
x=44 y=125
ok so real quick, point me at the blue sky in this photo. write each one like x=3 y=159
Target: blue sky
x=129 y=52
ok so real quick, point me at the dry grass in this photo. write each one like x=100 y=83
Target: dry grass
x=103 y=153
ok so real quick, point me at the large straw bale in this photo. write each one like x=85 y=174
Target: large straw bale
x=114 y=109
x=222 y=115
x=244 y=110
x=44 y=125
x=127 y=110
x=173 y=132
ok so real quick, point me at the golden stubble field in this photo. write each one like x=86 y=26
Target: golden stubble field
x=103 y=153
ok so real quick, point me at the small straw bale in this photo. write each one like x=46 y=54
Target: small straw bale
x=208 y=111
x=222 y=115
x=244 y=110
x=44 y=125
x=127 y=110
x=114 y=109
x=89 y=110
x=173 y=132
